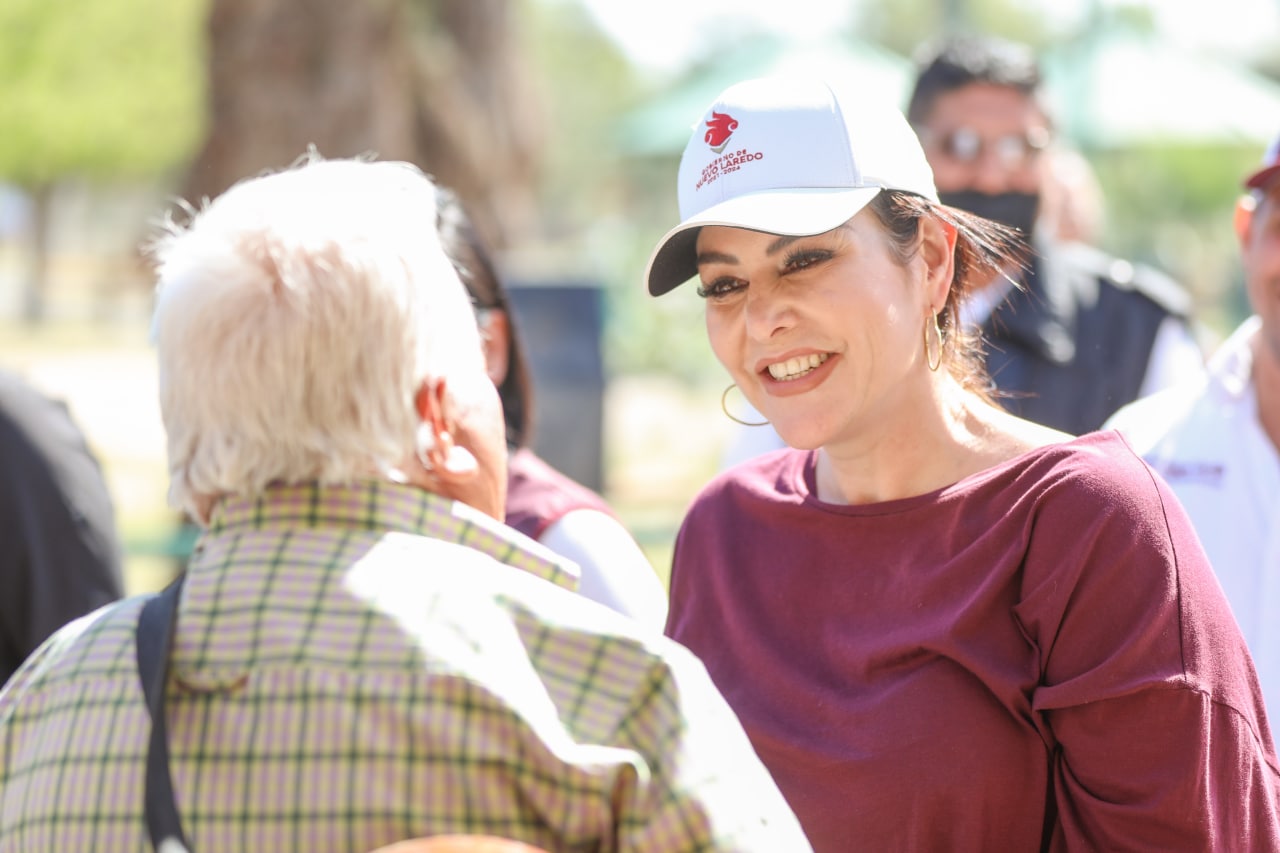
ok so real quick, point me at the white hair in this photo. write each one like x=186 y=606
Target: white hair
x=296 y=316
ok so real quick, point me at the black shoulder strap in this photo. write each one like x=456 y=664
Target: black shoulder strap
x=154 y=637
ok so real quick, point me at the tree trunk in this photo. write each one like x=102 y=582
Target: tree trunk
x=36 y=287
x=434 y=82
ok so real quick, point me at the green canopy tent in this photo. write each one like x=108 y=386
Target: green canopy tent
x=1118 y=89
x=662 y=126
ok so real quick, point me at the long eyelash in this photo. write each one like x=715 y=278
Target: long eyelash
x=805 y=255
x=717 y=287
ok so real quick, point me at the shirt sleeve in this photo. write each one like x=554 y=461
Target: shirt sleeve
x=1153 y=709
x=615 y=571
x=707 y=789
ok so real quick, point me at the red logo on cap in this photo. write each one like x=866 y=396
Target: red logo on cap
x=719 y=128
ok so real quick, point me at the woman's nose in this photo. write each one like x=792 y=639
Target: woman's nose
x=769 y=310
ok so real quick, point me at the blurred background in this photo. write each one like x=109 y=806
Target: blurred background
x=560 y=124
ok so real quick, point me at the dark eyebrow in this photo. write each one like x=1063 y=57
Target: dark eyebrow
x=715 y=258
x=725 y=258
x=779 y=244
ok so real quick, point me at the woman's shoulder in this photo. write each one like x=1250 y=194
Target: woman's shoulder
x=526 y=467
x=539 y=495
x=1103 y=459
x=760 y=488
x=1092 y=482
x=1057 y=484
x=1008 y=458
x=1098 y=462
x=767 y=476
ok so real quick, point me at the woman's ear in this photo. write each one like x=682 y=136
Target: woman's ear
x=495 y=333
x=938 y=252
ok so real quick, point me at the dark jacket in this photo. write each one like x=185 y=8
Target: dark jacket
x=1073 y=344
x=61 y=556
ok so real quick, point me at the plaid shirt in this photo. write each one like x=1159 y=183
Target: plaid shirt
x=355 y=665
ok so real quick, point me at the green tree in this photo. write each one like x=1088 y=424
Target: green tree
x=102 y=91
x=904 y=25
x=602 y=206
x=440 y=83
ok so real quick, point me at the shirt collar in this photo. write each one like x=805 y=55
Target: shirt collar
x=1231 y=366
x=374 y=505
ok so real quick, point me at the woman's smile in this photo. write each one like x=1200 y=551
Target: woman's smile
x=797 y=374
x=794 y=368
x=786 y=315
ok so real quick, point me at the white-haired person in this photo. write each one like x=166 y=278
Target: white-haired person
x=362 y=652
x=943 y=627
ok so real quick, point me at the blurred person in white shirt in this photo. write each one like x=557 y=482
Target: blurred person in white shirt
x=1215 y=437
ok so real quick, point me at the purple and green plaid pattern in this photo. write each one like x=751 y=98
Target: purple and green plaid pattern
x=355 y=665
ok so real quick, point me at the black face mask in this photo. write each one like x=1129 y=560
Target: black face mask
x=1017 y=210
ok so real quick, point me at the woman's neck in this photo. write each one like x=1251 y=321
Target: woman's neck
x=955 y=435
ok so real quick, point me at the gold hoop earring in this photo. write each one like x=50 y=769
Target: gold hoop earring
x=934 y=361
x=725 y=408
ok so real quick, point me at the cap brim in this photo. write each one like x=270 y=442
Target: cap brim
x=793 y=212
x=1259 y=179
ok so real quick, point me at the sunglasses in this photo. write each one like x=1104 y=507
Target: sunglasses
x=965 y=145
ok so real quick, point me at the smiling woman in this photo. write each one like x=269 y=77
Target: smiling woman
x=943 y=627
x=758 y=285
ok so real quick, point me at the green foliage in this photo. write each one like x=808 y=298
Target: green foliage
x=610 y=208
x=586 y=83
x=99 y=89
x=1137 y=18
x=665 y=335
x=1171 y=206
x=1158 y=182
x=904 y=25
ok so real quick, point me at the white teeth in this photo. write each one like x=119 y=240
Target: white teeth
x=793 y=368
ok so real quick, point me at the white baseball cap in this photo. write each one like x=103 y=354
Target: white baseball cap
x=786 y=155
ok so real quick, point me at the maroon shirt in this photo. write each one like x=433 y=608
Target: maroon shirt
x=1035 y=658
x=538 y=495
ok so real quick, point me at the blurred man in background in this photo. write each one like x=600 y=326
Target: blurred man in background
x=1215 y=437
x=1082 y=333
x=60 y=556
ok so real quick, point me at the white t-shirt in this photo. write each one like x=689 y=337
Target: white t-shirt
x=1203 y=436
